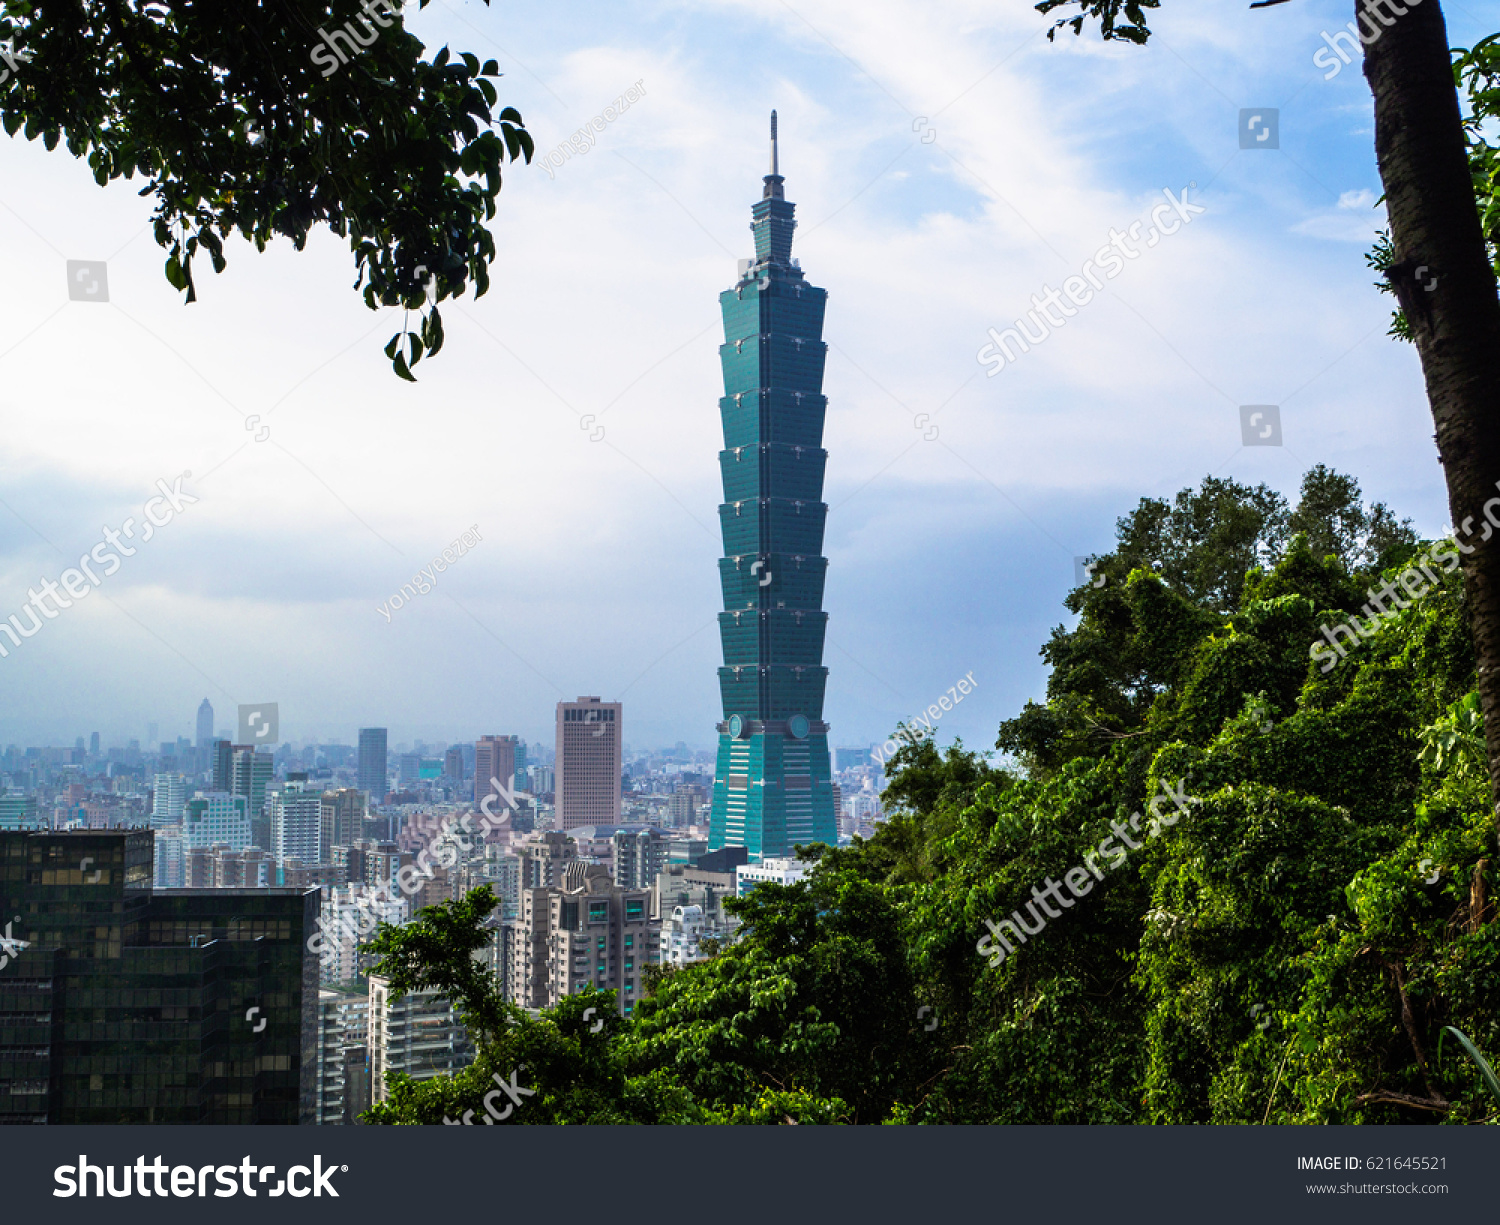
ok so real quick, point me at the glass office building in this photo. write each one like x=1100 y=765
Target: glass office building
x=772 y=785
x=120 y=1004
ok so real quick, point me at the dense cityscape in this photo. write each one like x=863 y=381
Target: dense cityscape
x=627 y=827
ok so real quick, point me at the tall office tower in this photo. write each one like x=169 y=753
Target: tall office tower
x=685 y=803
x=343 y=818
x=94 y=744
x=252 y=770
x=419 y=1035
x=521 y=762
x=771 y=782
x=588 y=932
x=587 y=778
x=297 y=823
x=223 y=765
x=216 y=816
x=371 y=776
x=81 y=1045
x=852 y=759
x=168 y=795
x=205 y=724
x=495 y=758
x=453 y=765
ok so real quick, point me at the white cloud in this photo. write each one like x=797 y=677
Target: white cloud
x=597 y=573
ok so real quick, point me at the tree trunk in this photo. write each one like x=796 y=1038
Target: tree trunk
x=1446 y=287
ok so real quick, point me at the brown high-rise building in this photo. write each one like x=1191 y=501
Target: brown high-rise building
x=545 y=858
x=494 y=758
x=343 y=818
x=587 y=932
x=587 y=786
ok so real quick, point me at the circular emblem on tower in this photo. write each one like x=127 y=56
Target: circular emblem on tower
x=797 y=726
x=736 y=727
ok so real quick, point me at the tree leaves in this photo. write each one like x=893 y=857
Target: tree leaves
x=1322 y=907
x=1122 y=19
x=224 y=110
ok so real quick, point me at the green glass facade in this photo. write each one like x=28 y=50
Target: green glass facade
x=772 y=784
x=135 y=1006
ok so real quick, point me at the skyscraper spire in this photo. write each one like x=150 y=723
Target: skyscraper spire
x=773 y=180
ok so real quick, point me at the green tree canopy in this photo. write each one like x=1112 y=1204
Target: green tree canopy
x=241 y=117
x=1291 y=949
x=1134 y=638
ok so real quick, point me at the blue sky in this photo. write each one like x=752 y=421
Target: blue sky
x=946 y=166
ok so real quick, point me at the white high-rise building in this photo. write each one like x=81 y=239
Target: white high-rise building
x=216 y=816
x=418 y=1035
x=169 y=793
x=170 y=858
x=297 y=823
x=350 y=916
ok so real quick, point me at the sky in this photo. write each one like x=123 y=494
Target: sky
x=947 y=164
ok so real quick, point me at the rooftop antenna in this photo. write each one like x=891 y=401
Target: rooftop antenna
x=773 y=180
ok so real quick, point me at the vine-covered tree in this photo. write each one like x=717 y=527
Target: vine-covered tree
x=1294 y=948
x=1440 y=262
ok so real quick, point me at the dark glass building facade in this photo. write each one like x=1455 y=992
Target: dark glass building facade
x=130 y=1005
x=772 y=785
x=371 y=774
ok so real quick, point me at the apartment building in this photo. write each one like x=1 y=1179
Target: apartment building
x=343 y=1071
x=418 y=1035
x=587 y=933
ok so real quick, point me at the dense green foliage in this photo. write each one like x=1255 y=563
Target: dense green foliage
x=240 y=118
x=1290 y=950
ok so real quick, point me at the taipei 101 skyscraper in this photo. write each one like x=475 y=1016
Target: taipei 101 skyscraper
x=772 y=785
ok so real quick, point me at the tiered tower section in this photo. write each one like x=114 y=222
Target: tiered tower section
x=772 y=784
